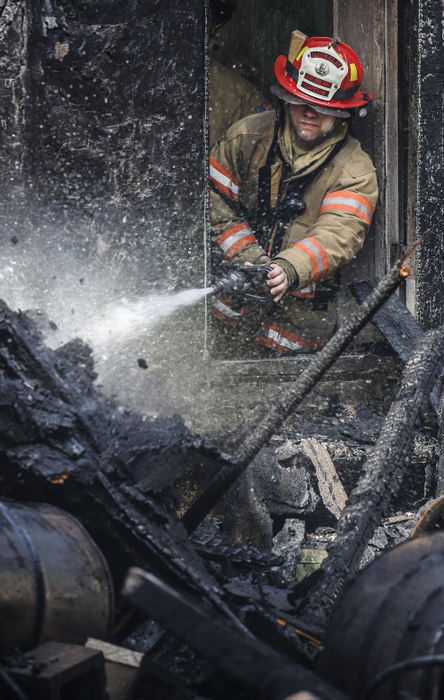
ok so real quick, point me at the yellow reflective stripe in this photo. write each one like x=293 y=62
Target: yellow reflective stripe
x=301 y=52
x=353 y=72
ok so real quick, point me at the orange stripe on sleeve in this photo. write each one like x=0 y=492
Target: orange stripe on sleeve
x=312 y=256
x=225 y=171
x=224 y=180
x=349 y=202
x=323 y=255
x=234 y=239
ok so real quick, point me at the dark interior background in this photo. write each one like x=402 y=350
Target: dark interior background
x=259 y=32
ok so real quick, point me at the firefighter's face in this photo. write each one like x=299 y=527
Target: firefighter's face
x=310 y=126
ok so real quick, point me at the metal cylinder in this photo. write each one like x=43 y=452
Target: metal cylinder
x=391 y=613
x=54 y=581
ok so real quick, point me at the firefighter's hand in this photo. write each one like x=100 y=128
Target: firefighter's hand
x=277 y=282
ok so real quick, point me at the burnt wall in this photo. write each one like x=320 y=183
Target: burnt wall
x=426 y=61
x=105 y=120
x=12 y=65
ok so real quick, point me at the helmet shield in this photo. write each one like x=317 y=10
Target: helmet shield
x=326 y=72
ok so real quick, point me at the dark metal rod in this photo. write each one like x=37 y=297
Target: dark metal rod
x=287 y=402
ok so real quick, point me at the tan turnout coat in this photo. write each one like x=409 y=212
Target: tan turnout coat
x=339 y=204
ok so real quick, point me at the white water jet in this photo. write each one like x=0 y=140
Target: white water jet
x=124 y=319
x=147 y=349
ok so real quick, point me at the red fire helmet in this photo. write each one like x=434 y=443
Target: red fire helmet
x=326 y=72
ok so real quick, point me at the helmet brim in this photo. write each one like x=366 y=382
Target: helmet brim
x=294 y=100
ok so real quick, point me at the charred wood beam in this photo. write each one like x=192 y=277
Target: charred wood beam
x=424 y=51
x=381 y=479
x=248 y=661
x=440 y=466
x=393 y=319
x=401 y=331
x=396 y=323
x=134 y=531
x=288 y=401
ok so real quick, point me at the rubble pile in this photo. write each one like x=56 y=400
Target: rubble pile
x=232 y=602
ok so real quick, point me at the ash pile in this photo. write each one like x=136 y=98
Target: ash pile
x=117 y=584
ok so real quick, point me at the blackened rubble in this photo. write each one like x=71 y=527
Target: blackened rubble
x=252 y=438
x=115 y=470
x=381 y=475
x=63 y=442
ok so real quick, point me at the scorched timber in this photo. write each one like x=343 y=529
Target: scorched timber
x=382 y=475
x=397 y=324
x=63 y=442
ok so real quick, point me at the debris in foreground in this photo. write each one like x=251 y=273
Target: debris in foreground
x=116 y=471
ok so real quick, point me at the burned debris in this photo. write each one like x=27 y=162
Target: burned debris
x=294 y=554
x=64 y=442
x=236 y=619
x=382 y=473
x=253 y=441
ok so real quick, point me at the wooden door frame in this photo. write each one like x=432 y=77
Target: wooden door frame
x=372 y=30
x=410 y=202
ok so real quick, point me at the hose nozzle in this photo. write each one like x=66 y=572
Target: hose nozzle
x=240 y=279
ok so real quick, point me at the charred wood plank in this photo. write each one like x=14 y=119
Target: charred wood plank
x=393 y=319
x=287 y=402
x=401 y=331
x=246 y=660
x=440 y=466
x=330 y=486
x=383 y=473
x=396 y=323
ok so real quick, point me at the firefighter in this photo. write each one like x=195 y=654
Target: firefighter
x=232 y=96
x=295 y=190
